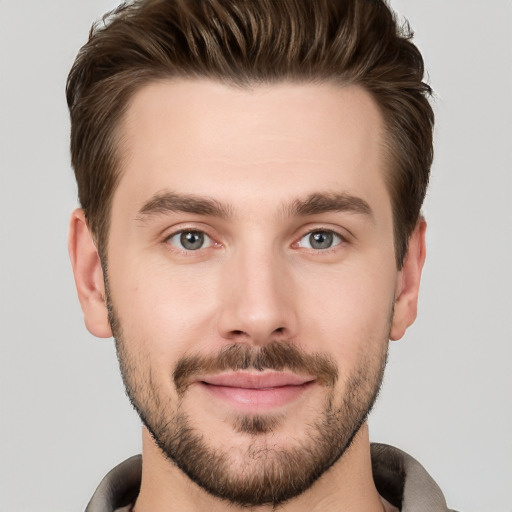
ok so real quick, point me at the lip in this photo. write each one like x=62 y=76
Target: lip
x=255 y=392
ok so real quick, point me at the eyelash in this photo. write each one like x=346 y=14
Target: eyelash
x=342 y=240
x=186 y=230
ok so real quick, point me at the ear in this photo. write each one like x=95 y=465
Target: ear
x=408 y=283
x=88 y=274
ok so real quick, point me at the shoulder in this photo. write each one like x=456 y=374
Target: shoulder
x=404 y=482
x=119 y=487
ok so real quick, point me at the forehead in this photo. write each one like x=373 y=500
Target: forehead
x=205 y=137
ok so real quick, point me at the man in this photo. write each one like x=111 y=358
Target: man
x=251 y=174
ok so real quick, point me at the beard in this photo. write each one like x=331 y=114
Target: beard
x=263 y=472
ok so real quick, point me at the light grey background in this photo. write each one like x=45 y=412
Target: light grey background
x=447 y=396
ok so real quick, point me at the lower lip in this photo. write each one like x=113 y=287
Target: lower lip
x=250 y=399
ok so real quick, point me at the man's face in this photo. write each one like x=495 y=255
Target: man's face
x=251 y=277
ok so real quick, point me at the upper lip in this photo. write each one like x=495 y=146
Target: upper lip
x=250 y=380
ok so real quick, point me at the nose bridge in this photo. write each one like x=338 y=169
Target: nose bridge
x=257 y=304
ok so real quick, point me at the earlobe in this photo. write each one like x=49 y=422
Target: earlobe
x=408 y=283
x=88 y=276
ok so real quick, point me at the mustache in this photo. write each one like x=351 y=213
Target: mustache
x=276 y=356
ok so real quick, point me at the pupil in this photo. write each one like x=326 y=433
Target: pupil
x=321 y=240
x=192 y=240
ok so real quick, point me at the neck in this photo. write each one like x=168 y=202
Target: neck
x=347 y=486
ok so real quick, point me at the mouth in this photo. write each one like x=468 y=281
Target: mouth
x=256 y=392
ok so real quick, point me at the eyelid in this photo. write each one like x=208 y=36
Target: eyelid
x=184 y=228
x=207 y=240
x=343 y=238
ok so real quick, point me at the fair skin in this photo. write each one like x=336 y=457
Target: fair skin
x=256 y=276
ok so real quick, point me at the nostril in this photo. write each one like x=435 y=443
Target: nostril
x=279 y=330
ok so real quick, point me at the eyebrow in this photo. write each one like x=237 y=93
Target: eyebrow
x=314 y=204
x=169 y=202
x=318 y=203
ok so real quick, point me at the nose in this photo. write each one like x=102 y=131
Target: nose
x=258 y=303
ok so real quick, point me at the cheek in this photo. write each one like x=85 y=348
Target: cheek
x=164 y=312
x=347 y=311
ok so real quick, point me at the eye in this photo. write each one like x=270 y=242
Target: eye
x=320 y=240
x=190 y=240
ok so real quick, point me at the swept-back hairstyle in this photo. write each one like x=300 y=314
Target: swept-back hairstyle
x=244 y=43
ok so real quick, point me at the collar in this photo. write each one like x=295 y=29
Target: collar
x=404 y=482
x=399 y=479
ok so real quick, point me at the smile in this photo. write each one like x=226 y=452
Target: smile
x=253 y=392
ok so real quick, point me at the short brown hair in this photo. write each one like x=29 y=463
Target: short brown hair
x=246 y=42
